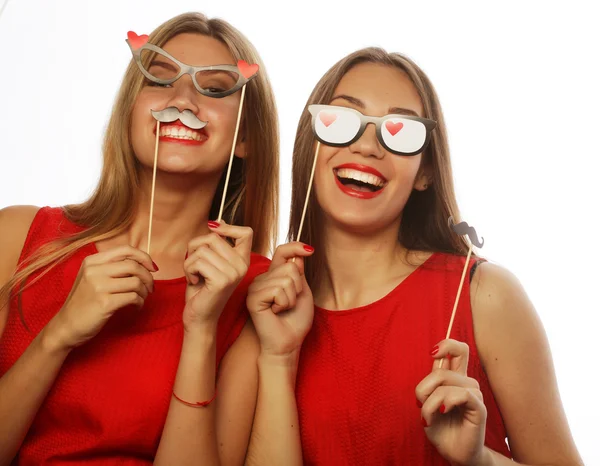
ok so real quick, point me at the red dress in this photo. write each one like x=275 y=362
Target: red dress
x=359 y=369
x=109 y=402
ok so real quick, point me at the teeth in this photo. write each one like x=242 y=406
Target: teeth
x=357 y=175
x=179 y=132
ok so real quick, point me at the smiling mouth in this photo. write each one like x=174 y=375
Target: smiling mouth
x=182 y=133
x=359 y=181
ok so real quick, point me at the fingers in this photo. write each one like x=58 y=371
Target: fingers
x=276 y=287
x=220 y=270
x=241 y=235
x=290 y=270
x=446 y=399
x=274 y=298
x=120 y=300
x=442 y=377
x=119 y=254
x=128 y=268
x=454 y=353
x=289 y=251
x=128 y=285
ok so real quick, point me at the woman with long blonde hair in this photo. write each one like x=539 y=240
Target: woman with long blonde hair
x=356 y=377
x=110 y=355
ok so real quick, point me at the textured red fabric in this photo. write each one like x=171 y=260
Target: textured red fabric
x=359 y=369
x=110 y=400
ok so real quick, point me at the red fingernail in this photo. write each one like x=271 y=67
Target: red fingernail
x=155 y=266
x=419 y=404
x=435 y=350
x=442 y=409
x=308 y=248
x=212 y=224
x=424 y=422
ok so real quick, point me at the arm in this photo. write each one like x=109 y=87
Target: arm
x=275 y=436
x=276 y=431
x=189 y=431
x=208 y=433
x=26 y=384
x=514 y=351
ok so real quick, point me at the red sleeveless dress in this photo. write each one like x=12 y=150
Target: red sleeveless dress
x=359 y=369
x=109 y=402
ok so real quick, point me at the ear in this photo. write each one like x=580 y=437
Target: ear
x=423 y=179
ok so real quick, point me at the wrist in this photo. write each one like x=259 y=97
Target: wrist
x=487 y=458
x=51 y=340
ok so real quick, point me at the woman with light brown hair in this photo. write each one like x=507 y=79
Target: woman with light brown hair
x=104 y=357
x=355 y=378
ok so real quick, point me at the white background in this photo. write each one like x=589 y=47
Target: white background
x=519 y=84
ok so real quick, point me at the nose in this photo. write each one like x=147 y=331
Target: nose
x=185 y=95
x=368 y=145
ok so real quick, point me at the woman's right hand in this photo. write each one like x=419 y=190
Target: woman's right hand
x=106 y=282
x=280 y=302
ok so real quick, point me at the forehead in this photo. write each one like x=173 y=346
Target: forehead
x=198 y=50
x=380 y=87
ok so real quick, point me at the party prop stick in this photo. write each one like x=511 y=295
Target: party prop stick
x=247 y=71
x=310 y=182
x=153 y=186
x=461 y=229
x=235 y=135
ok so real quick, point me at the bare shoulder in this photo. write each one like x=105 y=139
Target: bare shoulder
x=501 y=307
x=14 y=225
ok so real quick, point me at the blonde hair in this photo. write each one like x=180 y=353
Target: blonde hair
x=425 y=217
x=252 y=195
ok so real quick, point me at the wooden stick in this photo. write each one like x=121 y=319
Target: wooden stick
x=153 y=186
x=310 y=183
x=237 y=127
x=462 y=279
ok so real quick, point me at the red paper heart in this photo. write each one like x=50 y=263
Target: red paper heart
x=246 y=69
x=136 y=41
x=327 y=118
x=393 y=128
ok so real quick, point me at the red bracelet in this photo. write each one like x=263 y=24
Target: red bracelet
x=198 y=404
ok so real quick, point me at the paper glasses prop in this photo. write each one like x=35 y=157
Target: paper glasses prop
x=404 y=135
x=215 y=81
x=461 y=229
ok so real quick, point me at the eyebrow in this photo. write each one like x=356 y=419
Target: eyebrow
x=360 y=104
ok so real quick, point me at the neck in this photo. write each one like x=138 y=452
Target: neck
x=360 y=269
x=180 y=211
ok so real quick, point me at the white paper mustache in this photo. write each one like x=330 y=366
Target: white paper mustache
x=187 y=117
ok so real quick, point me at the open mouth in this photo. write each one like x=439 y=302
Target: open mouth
x=359 y=181
x=177 y=131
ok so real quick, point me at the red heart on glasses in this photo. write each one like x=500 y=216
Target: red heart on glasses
x=327 y=118
x=246 y=69
x=135 y=40
x=393 y=128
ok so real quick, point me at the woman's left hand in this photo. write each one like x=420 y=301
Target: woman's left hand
x=213 y=270
x=452 y=407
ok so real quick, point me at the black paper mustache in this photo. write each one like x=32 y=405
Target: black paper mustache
x=463 y=228
x=187 y=117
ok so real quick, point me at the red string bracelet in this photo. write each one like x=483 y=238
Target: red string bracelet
x=198 y=404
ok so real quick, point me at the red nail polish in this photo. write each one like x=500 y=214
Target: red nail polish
x=442 y=409
x=424 y=422
x=308 y=248
x=212 y=224
x=419 y=404
x=155 y=266
x=435 y=350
